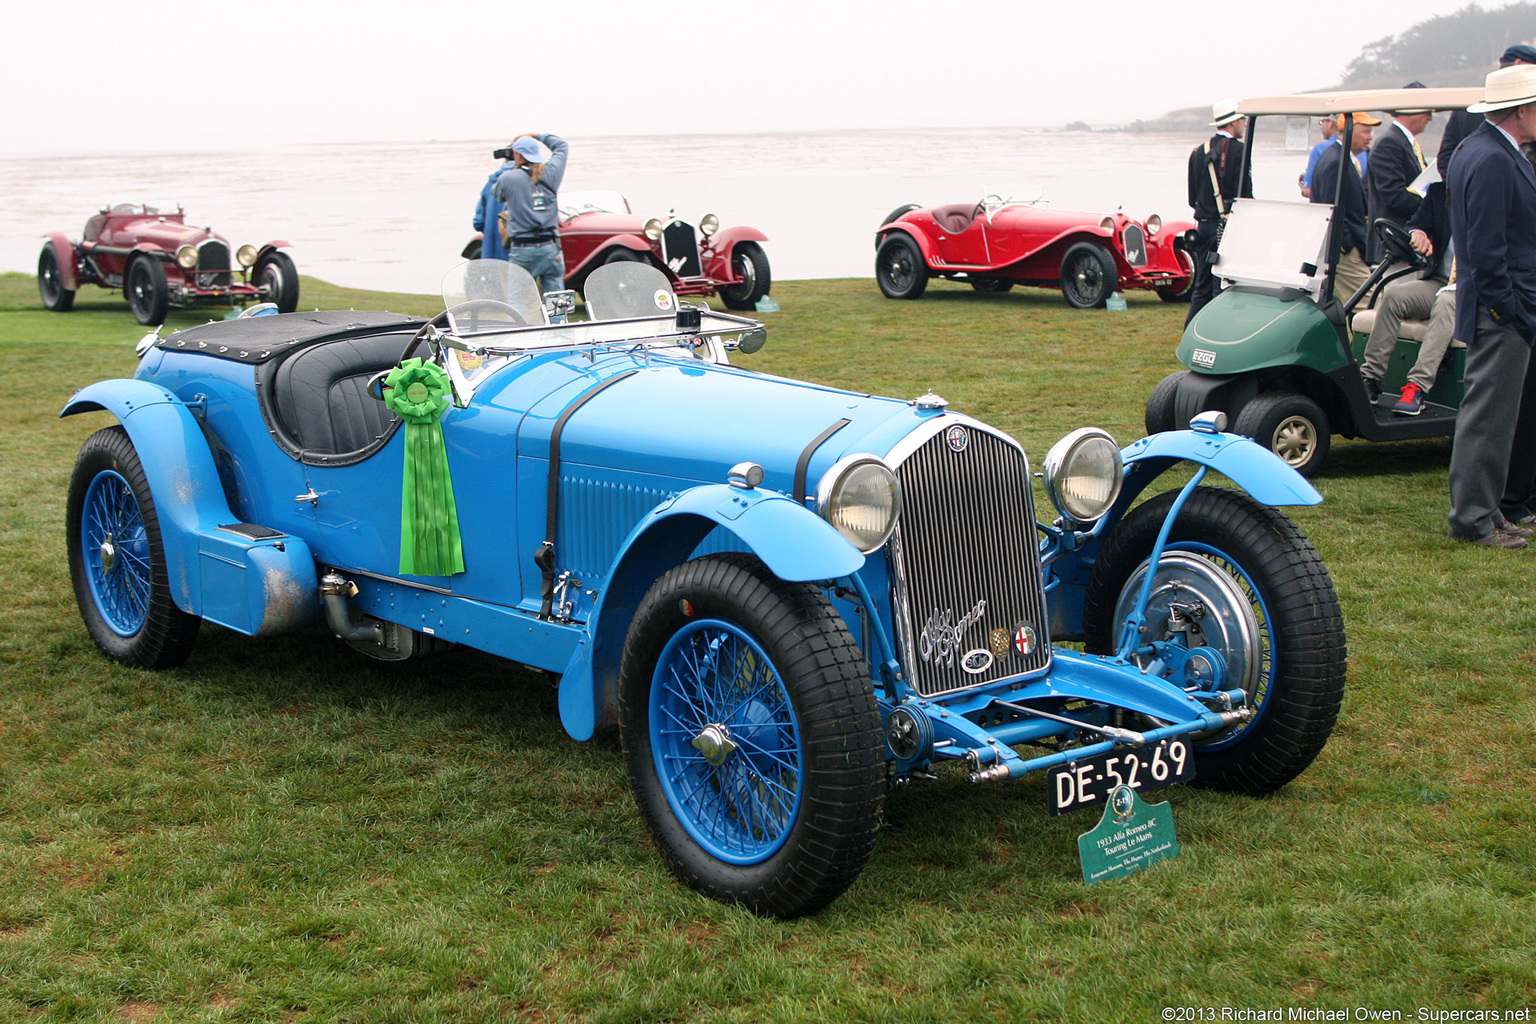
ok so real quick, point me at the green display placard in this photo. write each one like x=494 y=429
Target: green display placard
x=1131 y=835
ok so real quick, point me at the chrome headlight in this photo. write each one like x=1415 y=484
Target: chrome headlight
x=861 y=498
x=186 y=257
x=1108 y=223
x=708 y=224
x=246 y=254
x=1083 y=474
x=1154 y=225
x=653 y=228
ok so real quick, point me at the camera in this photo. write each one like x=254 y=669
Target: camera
x=502 y=154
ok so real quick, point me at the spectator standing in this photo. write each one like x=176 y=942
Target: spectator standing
x=1349 y=206
x=488 y=213
x=1492 y=187
x=1396 y=161
x=1462 y=123
x=1329 y=128
x=530 y=191
x=1216 y=178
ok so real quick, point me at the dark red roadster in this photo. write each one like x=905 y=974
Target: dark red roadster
x=597 y=228
x=159 y=261
x=998 y=243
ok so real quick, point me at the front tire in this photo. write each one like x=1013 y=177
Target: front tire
x=751 y=736
x=1160 y=414
x=1168 y=293
x=899 y=268
x=278 y=280
x=1255 y=576
x=50 y=282
x=149 y=295
x=750 y=264
x=1088 y=276
x=117 y=558
x=1291 y=425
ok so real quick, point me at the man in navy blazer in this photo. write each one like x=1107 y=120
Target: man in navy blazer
x=1492 y=191
x=1396 y=160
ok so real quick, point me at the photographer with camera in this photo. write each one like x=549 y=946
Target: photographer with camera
x=530 y=223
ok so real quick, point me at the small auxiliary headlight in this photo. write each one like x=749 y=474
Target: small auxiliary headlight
x=1083 y=474
x=1108 y=223
x=653 y=228
x=861 y=498
x=186 y=257
x=246 y=254
x=1154 y=225
x=708 y=224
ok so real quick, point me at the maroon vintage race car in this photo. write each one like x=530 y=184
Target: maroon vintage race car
x=998 y=243
x=159 y=262
x=598 y=228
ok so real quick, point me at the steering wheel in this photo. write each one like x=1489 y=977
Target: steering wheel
x=1396 y=242
x=471 y=306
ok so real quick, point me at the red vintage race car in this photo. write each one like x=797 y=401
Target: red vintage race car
x=997 y=243
x=159 y=261
x=598 y=228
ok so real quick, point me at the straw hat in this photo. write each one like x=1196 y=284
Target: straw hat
x=1507 y=87
x=1224 y=112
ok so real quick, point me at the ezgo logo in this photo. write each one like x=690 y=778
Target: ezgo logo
x=1203 y=357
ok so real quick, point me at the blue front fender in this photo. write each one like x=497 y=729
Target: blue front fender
x=253 y=586
x=794 y=543
x=1250 y=465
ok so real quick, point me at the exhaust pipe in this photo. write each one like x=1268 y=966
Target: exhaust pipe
x=334 y=591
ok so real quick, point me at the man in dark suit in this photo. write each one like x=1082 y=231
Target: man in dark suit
x=1492 y=188
x=1215 y=179
x=1396 y=160
x=1348 y=201
x=1462 y=123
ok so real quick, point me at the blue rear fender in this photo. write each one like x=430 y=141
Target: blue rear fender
x=794 y=543
x=256 y=587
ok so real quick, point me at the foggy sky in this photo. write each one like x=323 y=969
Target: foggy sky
x=94 y=76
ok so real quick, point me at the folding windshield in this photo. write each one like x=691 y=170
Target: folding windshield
x=1276 y=244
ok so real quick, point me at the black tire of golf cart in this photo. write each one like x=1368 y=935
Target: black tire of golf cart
x=1291 y=425
x=1160 y=404
x=1301 y=638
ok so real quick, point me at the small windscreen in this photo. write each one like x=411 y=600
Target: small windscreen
x=619 y=291
x=486 y=295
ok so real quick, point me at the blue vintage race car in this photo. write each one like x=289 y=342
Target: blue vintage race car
x=787 y=597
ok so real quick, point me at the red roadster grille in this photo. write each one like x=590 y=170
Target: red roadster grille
x=212 y=265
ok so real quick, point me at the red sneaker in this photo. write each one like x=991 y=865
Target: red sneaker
x=1412 y=401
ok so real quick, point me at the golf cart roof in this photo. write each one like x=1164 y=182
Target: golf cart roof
x=1458 y=98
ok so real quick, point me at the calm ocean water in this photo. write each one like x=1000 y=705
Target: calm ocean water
x=393 y=216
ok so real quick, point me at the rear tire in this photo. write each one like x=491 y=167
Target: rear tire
x=278 y=280
x=1291 y=425
x=751 y=265
x=1269 y=571
x=1160 y=415
x=149 y=295
x=1088 y=276
x=117 y=558
x=50 y=282
x=751 y=736
x=900 y=269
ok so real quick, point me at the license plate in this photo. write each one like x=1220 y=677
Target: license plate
x=1088 y=782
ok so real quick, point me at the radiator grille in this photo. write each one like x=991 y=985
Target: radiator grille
x=680 y=247
x=1135 y=244
x=213 y=265
x=970 y=603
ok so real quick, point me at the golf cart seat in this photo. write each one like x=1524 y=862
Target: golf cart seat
x=1412 y=330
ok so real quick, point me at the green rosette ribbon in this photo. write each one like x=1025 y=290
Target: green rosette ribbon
x=417 y=391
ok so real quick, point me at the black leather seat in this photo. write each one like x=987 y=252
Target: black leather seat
x=320 y=394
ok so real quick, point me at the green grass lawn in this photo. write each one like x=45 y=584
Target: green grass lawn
x=283 y=830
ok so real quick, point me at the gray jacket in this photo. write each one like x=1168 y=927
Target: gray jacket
x=533 y=209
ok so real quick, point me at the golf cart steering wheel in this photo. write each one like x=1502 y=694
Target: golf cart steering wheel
x=1397 y=244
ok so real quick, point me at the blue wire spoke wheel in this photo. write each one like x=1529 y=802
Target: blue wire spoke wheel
x=117 y=559
x=751 y=736
x=726 y=742
x=1260 y=594
x=119 y=575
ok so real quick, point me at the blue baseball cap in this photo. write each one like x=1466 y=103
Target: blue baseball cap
x=527 y=147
